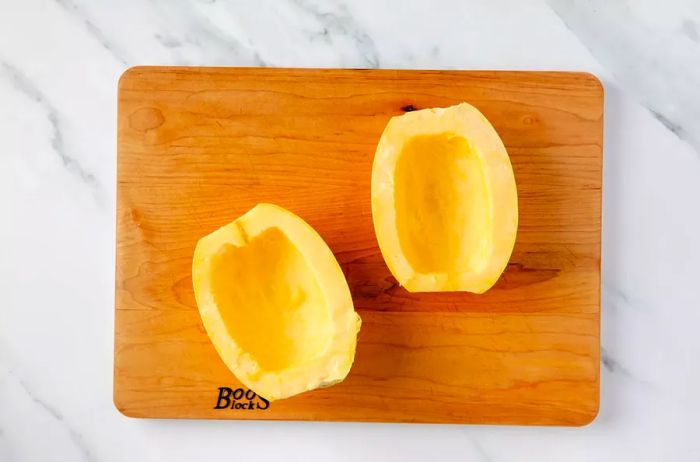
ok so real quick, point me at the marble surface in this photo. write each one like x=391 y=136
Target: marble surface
x=59 y=64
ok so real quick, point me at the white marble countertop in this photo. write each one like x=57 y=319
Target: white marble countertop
x=59 y=64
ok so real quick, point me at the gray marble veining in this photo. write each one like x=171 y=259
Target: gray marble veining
x=59 y=64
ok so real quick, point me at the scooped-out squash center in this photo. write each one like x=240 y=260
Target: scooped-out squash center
x=442 y=204
x=268 y=273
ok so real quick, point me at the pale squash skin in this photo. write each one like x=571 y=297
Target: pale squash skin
x=275 y=303
x=444 y=200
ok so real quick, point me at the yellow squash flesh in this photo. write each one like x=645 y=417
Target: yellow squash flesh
x=444 y=201
x=275 y=303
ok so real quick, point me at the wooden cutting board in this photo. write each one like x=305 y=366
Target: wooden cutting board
x=197 y=147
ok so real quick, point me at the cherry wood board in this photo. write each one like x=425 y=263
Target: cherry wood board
x=197 y=147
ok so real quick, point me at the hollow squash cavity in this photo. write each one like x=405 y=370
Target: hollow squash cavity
x=442 y=204
x=276 y=310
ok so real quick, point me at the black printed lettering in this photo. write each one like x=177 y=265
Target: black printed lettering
x=240 y=398
x=224 y=399
x=265 y=402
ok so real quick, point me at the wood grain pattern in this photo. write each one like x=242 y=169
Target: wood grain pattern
x=197 y=147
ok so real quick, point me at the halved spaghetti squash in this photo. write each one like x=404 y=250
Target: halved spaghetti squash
x=444 y=201
x=275 y=303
